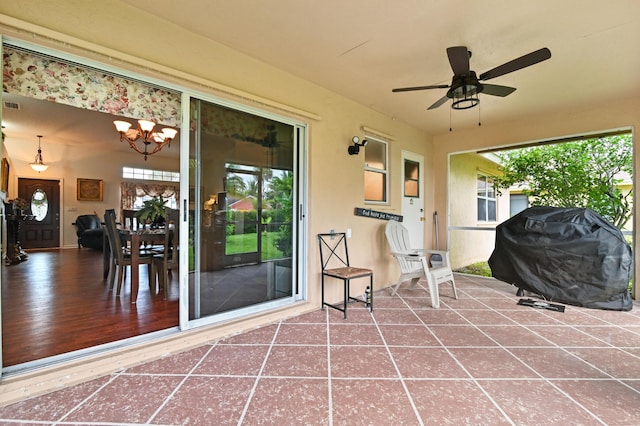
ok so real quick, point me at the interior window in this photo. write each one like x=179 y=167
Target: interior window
x=170 y=201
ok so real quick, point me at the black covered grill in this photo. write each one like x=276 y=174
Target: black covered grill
x=568 y=255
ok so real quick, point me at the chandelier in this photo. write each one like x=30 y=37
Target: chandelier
x=146 y=134
x=38 y=164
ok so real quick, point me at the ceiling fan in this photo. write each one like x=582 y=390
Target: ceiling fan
x=465 y=85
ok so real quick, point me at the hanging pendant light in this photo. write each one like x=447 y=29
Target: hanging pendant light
x=38 y=164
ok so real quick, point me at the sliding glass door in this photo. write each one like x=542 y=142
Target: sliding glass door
x=243 y=225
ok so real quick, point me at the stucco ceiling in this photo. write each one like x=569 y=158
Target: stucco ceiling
x=364 y=48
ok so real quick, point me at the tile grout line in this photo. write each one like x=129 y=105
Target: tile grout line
x=329 y=377
x=545 y=379
x=473 y=379
x=179 y=385
x=94 y=393
x=259 y=375
x=395 y=365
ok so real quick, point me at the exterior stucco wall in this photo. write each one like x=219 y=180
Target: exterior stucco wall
x=474 y=243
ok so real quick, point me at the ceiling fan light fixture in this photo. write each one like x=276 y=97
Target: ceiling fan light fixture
x=466 y=102
x=465 y=96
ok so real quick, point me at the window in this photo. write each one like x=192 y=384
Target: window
x=134 y=194
x=411 y=178
x=375 y=171
x=147 y=174
x=517 y=203
x=486 y=199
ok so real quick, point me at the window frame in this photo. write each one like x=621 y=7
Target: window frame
x=384 y=172
x=139 y=173
x=486 y=199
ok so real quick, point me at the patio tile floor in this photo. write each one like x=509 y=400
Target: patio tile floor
x=480 y=360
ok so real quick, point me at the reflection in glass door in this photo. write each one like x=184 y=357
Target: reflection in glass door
x=242 y=217
x=244 y=203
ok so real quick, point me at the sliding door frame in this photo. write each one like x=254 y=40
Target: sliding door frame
x=299 y=220
x=300 y=201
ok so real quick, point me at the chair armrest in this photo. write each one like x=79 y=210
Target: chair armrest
x=411 y=255
x=442 y=253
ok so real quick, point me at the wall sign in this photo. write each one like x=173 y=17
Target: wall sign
x=377 y=215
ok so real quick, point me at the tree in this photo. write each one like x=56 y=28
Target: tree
x=280 y=196
x=574 y=174
x=235 y=185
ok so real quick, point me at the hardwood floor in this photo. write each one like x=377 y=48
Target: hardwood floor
x=57 y=302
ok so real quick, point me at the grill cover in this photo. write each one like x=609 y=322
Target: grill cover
x=568 y=255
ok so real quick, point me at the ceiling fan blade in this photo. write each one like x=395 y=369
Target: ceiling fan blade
x=495 y=90
x=409 y=89
x=459 y=59
x=439 y=102
x=518 y=63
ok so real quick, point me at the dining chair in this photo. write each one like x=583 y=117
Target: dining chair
x=414 y=264
x=130 y=220
x=334 y=259
x=121 y=254
x=170 y=258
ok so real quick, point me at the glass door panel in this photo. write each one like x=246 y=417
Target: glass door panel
x=242 y=212
x=242 y=245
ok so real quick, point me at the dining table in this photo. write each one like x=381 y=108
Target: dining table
x=137 y=238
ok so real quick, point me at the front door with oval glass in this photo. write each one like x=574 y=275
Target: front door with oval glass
x=43 y=198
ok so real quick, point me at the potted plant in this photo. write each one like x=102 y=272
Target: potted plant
x=19 y=205
x=153 y=211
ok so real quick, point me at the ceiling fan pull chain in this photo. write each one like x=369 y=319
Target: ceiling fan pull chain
x=479 y=123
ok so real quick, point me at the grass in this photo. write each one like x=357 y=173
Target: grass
x=248 y=243
x=478 y=268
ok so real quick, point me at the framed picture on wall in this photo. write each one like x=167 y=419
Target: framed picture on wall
x=4 y=184
x=89 y=189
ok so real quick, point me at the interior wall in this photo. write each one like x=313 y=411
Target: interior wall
x=68 y=163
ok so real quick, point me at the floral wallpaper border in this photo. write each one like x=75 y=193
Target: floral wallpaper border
x=40 y=77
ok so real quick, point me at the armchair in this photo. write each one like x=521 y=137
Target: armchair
x=89 y=231
x=414 y=264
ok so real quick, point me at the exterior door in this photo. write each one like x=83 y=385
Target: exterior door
x=43 y=197
x=413 y=197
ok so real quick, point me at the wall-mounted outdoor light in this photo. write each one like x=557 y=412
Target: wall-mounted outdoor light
x=355 y=148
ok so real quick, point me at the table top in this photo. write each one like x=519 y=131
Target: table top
x=159 y=231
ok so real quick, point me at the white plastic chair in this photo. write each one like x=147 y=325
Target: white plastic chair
x=414 y=264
